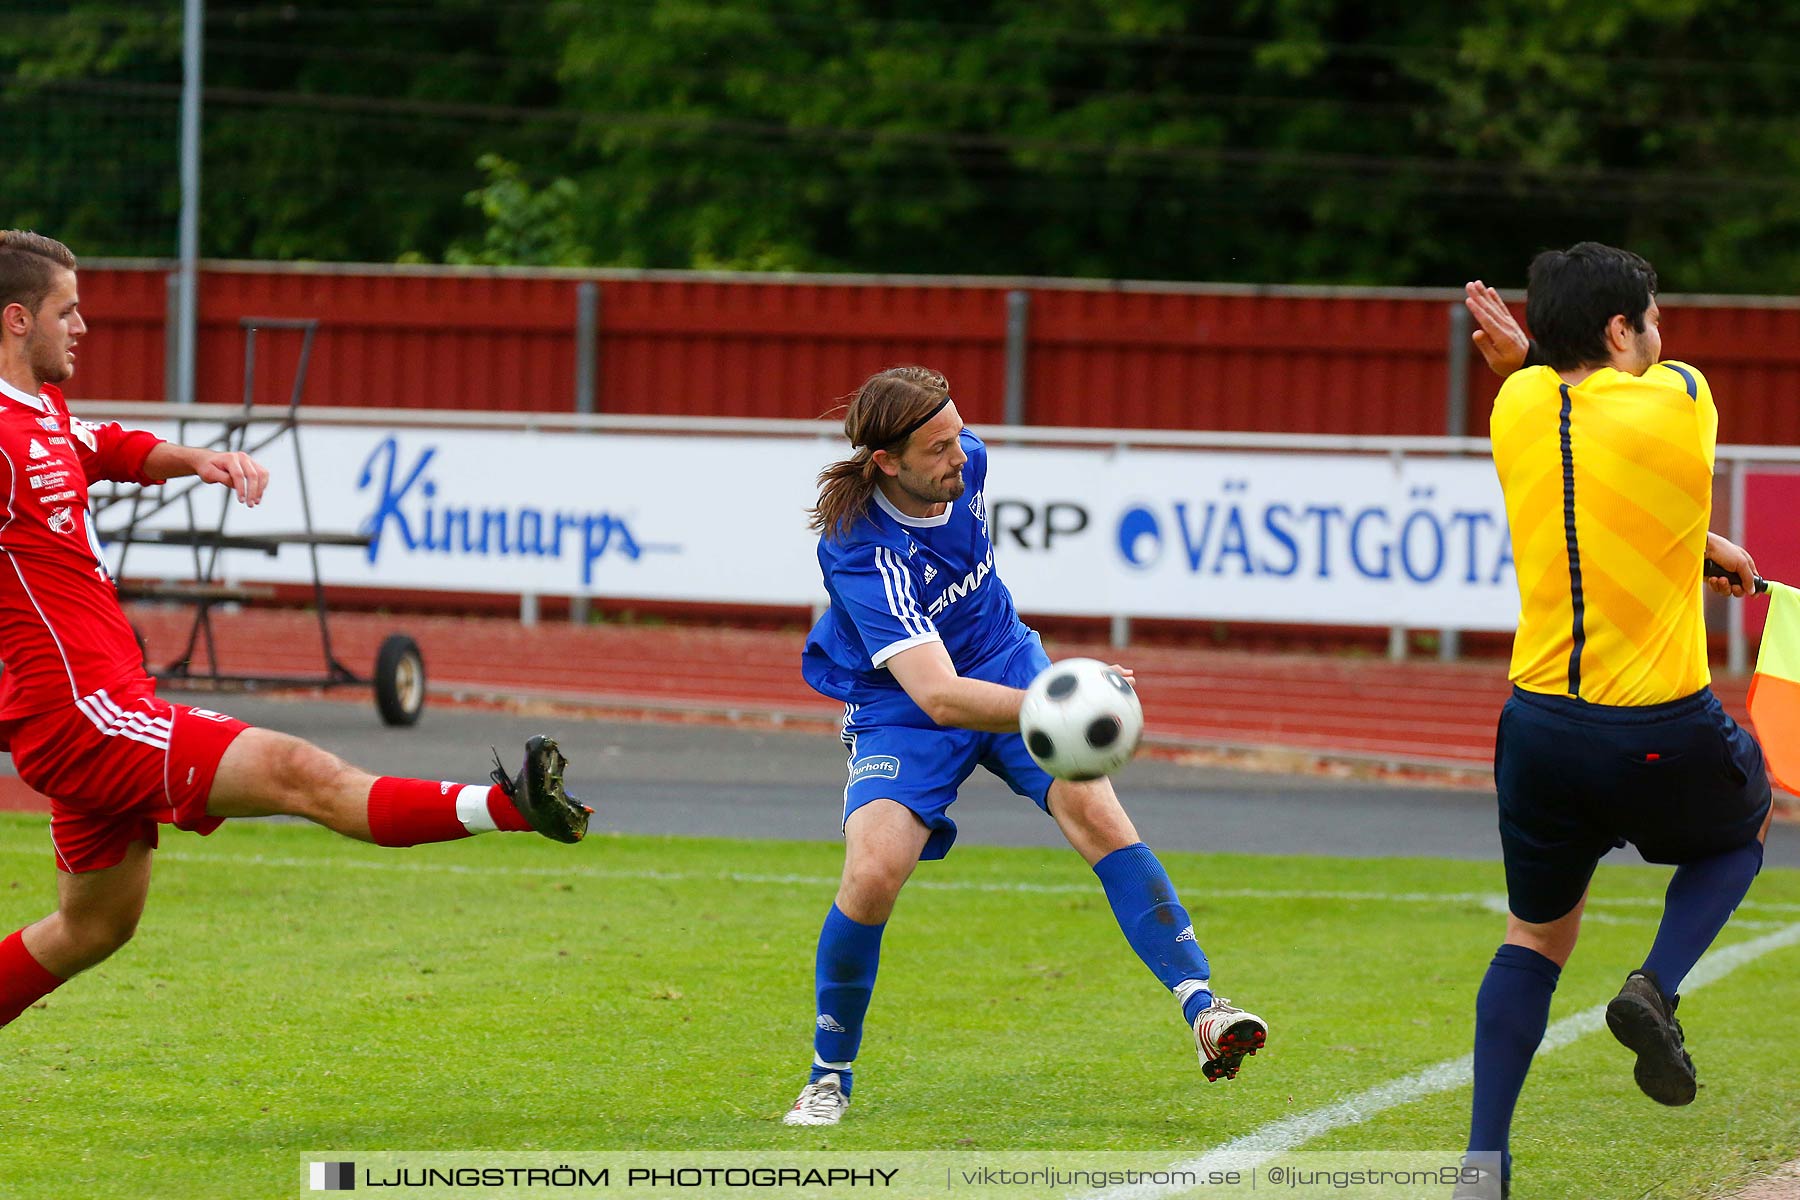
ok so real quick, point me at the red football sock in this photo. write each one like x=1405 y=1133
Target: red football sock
x=505 y=814
x=23 y=980
x=411 y=812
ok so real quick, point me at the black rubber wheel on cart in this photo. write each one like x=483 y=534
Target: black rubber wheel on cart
x=399 y=680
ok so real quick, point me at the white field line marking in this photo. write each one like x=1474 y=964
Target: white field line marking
x=1490 y=900
x=1497 y=904
x=1279 y=1137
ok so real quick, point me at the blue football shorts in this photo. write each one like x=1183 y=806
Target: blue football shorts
x=897 y=753
x=1680 y=781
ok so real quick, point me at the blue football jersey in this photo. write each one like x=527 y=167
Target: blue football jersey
x=897 y=581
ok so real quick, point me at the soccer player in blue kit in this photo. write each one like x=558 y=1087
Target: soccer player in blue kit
x=923 y=646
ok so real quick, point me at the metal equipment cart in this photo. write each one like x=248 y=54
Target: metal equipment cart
x=398 y=678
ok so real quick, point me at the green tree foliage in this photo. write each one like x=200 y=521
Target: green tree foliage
x=1260 y=140
x=332 y=131
x=526 y=226
x=1669 y=127
x=90 y=123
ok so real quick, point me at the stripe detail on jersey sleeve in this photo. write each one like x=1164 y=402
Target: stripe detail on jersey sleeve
x=1577 y=607
x=897 y=581
x=1687 y=377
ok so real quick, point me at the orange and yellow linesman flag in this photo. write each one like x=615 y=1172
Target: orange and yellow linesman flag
x=1775 y=688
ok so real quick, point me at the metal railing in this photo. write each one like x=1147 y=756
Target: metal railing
x=1734 y=461
x=564 y=422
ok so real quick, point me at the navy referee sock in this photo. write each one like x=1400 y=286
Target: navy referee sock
x=1512 y=1010
x=1701 y=898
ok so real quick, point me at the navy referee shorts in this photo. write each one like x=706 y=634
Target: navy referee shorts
x=1680 y=781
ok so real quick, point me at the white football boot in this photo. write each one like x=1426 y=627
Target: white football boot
x=1225 y=1036
x=821 y=1102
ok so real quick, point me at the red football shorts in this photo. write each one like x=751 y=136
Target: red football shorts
x=115 y=765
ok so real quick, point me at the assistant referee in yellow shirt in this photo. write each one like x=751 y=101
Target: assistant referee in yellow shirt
x=1612 y=734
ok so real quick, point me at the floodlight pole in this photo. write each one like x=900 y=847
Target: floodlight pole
x=194 y=16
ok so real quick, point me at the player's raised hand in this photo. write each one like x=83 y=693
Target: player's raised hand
x=1498 y=336
x=236 y=470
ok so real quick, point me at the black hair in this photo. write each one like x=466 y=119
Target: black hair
x=1573 y=294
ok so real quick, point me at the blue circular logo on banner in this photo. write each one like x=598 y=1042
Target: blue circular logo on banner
x=1140 y=537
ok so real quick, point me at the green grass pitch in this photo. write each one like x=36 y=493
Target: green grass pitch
x=290 y=990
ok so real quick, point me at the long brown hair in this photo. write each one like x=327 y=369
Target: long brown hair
x=880 y=416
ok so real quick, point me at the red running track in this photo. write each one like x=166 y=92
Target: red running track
x=1419 y=712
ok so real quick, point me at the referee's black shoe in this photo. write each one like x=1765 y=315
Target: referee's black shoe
x=537 y=792
x=1645 y=1023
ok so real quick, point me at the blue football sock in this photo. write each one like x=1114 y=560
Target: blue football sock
x=1701 y=898
x=844 y=979
x=1147 y=909
x=1511 y=1011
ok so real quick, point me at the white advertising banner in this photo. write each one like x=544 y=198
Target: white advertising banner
x=1342 y=539
x=1339 y=539
x=646 y=517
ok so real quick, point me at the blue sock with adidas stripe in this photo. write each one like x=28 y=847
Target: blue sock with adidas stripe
x=844 y=979
x=1150 y=914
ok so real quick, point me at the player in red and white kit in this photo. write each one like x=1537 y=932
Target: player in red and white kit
x=82 y=719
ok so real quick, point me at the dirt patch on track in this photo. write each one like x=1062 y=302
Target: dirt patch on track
x=1784 y=1184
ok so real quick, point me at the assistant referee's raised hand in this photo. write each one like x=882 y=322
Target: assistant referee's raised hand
x=1501 y=342
x=238 y=471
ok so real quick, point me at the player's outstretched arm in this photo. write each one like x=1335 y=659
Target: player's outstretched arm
x=1498 y=336
x=233 y=468
x=930 y=678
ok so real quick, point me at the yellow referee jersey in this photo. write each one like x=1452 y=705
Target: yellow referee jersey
x=1608 y=487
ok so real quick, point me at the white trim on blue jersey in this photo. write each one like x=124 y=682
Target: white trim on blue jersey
x=882 y=655
x=849 y=740
x=887 y=506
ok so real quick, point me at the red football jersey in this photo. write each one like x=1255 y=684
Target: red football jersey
x=62 y=635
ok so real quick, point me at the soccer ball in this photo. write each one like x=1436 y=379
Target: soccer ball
x=1081 y=719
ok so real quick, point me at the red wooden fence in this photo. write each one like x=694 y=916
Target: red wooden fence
x=1126 y=355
